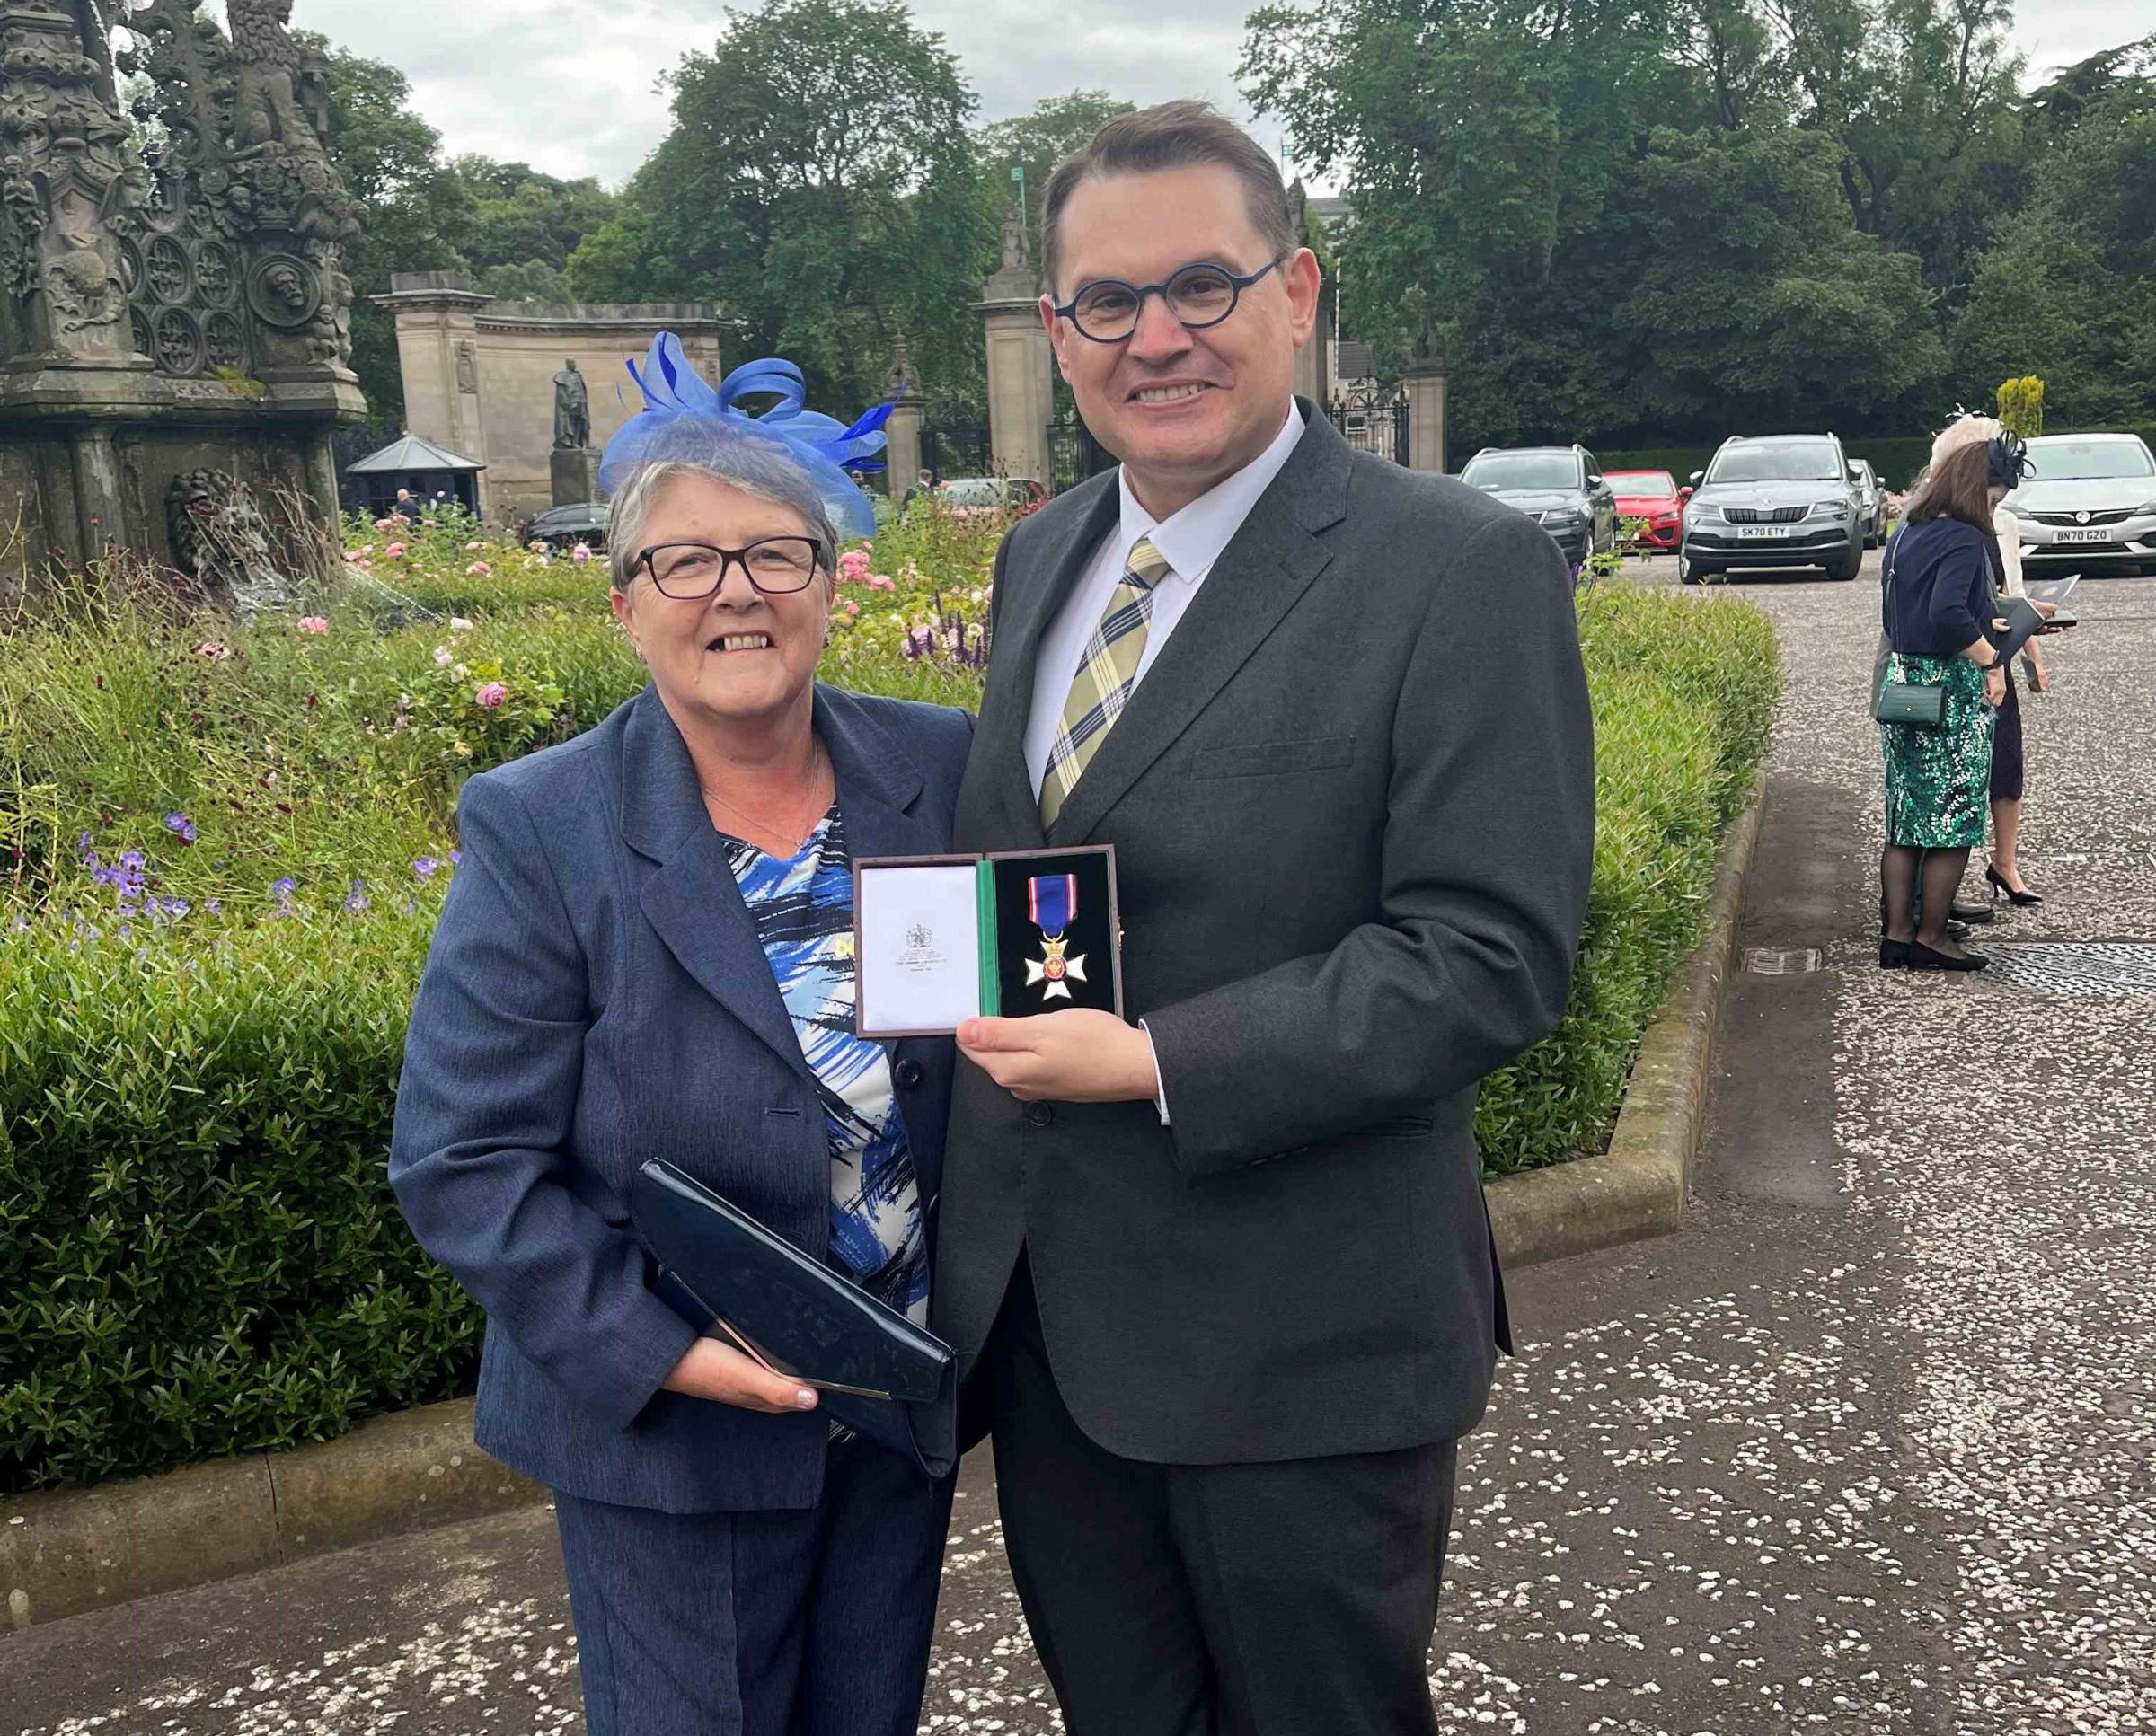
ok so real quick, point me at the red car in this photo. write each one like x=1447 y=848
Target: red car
x=1653 y=495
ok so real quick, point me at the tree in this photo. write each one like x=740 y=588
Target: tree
x=1034 y=142
x=390 y=158
x=2069 y=291
x=820 y=183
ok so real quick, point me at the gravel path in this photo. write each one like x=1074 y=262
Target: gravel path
x=1867 y=1449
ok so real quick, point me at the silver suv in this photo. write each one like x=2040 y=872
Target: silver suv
x=2088 y=503
x=1773 y=500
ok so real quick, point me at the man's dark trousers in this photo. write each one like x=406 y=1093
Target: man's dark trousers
x=1315 y=1581
x=1352 y=806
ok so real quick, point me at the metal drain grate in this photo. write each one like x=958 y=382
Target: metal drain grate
x=2074 y=968
x=1765 y=961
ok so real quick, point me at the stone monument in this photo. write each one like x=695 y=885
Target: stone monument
x=1021 y=384
x=483 y=377
x=174 y=328
x=902 y=434
x=575 y=466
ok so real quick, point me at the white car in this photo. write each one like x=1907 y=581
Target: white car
x=2088 y=503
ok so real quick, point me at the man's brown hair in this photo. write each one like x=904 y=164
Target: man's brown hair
x=1957 y=487
x=1171 y=136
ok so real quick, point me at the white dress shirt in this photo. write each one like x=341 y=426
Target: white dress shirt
x=1190 y=542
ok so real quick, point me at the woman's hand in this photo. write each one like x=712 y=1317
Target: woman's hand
x=1994 y=684
x=2039 y=677
x=722 y=1374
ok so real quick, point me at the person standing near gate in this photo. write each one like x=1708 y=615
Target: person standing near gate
x=1221 y=1277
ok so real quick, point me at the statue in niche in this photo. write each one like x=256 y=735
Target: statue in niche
x=572 y=410
x=467 y=366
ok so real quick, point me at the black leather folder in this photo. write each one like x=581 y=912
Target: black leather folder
x=729 y=1277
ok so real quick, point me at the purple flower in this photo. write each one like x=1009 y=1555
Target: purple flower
x=181 y=826
x=426 y=867
x=455 y=856
x=356 y=899
x=489 y=696
x=282 y=891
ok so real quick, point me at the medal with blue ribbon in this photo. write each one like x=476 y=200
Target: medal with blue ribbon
x=1051 y=901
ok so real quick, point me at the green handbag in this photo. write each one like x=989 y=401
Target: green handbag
x=1904 y=701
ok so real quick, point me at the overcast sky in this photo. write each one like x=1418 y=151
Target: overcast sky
x=567 y=87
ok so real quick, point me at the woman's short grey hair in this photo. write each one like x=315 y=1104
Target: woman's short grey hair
x=754 y=466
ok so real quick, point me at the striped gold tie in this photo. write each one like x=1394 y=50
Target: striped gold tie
x=1106 y=673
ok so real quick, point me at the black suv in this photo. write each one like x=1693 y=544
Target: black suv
x=1559 y=487
x=1773 y=500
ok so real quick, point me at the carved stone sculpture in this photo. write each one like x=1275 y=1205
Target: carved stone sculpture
x=243 y=164
x=173 y=306
x=572 y=410
x=222 y=544
x=1018 y=247
x=901 y=380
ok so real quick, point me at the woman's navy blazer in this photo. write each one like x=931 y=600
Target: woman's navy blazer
x=596 y=996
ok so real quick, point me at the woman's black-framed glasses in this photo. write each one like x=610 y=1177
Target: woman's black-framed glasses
x=1200 y=295
x=774 y=565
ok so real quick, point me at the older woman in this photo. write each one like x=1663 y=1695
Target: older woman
x=648 y=954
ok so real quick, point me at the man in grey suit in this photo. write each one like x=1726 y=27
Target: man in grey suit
x=1222 y=1275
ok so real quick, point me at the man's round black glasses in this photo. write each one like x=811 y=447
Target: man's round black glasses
x=773 y=565
x=1202 y=294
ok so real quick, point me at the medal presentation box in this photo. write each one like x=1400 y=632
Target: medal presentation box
x=938 y=940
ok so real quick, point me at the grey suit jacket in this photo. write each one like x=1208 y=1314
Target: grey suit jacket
x=1352 y=804
x=597 y=996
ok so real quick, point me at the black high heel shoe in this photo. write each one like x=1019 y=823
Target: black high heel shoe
x=2020 y=900
x=1894 y=955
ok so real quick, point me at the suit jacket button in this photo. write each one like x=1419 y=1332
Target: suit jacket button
x=1040 y=1114
x=908 y=1074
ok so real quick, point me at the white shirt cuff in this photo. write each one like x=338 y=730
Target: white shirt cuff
x=1159 y=1085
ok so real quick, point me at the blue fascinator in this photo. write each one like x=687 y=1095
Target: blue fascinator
x=686 y=418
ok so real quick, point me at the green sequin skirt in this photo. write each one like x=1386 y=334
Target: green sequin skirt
x=1938 y=782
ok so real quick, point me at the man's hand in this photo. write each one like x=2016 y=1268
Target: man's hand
x=1078 y=1055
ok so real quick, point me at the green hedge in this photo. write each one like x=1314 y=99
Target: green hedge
x=199 y=1253
x=1686 y=691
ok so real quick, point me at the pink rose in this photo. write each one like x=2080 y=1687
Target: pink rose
x=394 y=551
x=315 y=624
x=491 y=696
x=386 y=523
x=474 y=543
x=581 y=554
x=479 y=569
x=878 y=582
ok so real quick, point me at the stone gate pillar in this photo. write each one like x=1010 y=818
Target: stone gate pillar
x=1424 y=386
x=437 y=328
x=902 y=434
x=1021 y=364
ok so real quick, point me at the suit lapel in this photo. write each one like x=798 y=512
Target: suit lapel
x=1266 y=567
x=1003 y=726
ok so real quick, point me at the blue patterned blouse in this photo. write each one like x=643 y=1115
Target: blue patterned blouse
x=803 y=910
